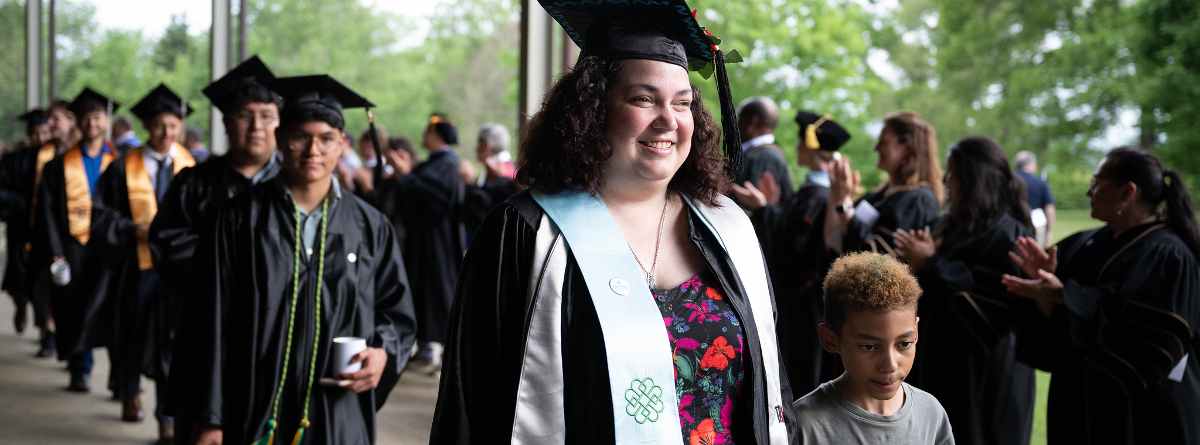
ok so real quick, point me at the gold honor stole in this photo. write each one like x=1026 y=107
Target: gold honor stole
x=44 y=155
x=79 y=196
x=143 y=203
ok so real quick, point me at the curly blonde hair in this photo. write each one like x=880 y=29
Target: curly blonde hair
x=867 y=281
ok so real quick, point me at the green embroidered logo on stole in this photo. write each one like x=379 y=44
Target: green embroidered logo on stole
x=643 y=400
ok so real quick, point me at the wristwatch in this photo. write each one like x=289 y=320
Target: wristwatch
x=843 y=208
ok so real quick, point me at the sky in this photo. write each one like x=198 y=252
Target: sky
x=152 y=16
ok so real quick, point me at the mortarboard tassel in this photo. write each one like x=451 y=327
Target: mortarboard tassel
x=378 y=171
x=732 y=138
x=300 y=432
x=269 y=439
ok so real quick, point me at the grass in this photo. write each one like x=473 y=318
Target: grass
x=1069 y=222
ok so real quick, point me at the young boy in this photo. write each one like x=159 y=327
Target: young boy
x=871 y=322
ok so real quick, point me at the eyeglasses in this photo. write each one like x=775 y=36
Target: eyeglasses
x=266 y=118
x=323 y=142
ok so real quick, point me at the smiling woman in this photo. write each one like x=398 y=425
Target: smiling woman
x=604 y=300
x=566 y=150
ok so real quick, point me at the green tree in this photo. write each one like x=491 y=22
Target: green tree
x=175 y=43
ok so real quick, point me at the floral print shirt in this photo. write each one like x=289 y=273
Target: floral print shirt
x=707 y=339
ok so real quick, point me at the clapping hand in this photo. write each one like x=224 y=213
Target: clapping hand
x=1039 y=266
x=753 y=197
x=914 y=246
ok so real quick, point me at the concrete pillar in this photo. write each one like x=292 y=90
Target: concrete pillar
x=537 y=52
x=52 y=51
x=219 y=58
x=33 y=53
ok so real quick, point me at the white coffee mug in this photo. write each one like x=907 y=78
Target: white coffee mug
x=344 y=349
x=60 y=272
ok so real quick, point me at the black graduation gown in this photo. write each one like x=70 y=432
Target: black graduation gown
x=905 y=208
x=482 y=366
x=966 y=352
x=186 y=212
x=139 y=318
x=70 y=304
x=792 y=239
x=1084 y=408
x=238 y=329
x=766 y=158
x=481 y=199
x=16 y=195
x=434 y=254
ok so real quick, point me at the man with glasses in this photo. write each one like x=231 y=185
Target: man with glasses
x=293 y=267
x=251 y=115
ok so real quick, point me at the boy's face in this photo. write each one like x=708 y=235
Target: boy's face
x=312 y=150
x=877 y=349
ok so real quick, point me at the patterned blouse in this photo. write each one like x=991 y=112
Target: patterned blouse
x=707 y=340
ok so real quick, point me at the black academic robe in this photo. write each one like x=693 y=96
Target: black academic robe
x=434 y=250
x=792 y=239
x=966 y=351
x=899 y=208
x=763 y=158
x=17 y=187
x=238 y=330
x=1100 y=275
x=70 y=306
x=140 y=320
x=187 y=211
x=482 y=366
x=481 y=199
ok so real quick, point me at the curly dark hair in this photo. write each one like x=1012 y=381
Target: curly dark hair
x=565 y=146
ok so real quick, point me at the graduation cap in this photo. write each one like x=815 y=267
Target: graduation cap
x=249 y=81
x=160 y=100
x=90 y=100
x=445 y=130
x=34 y=117
x=661 y=30
x=318 y=97
x=821 y=132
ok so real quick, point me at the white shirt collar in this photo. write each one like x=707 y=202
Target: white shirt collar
x=768 y=138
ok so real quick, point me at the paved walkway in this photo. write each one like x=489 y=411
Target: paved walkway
x=35 y=407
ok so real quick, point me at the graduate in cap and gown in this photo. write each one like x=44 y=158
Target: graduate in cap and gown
x=290 y=266
x=16 y=192
x=791 y=234
x=124 y=281
x=623 y=299
x=63 y=227
x=435 y=191
x=967 y=353
x=1119 y=321
x=47 y=133
x=250 y=112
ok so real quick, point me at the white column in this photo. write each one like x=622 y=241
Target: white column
x=33 y=53
x=537 y=52
x=219 y=58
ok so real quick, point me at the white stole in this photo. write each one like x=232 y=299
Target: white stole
x=640 y=366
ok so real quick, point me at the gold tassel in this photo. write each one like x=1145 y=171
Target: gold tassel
x=810 y=134
x=300 y=432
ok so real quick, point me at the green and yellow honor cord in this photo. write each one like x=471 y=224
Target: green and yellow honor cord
x=287 y=350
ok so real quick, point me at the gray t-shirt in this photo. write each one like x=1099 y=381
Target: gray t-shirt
x=824 y=417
